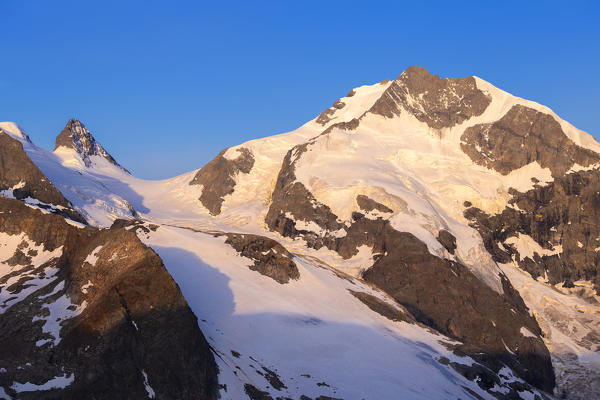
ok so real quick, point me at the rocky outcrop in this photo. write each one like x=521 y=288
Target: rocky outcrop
x=440 y=103
x=218 y=177
x=393 y=313
x=77 y=137
x=21 y=179
x=561 y=218
x=445 y=295
x=326 y=116
x=270 y=258
x=93 y=313
x=345 y=126
x=447 y=240
x=291 y=201
x=367 y=204
x=524 y=135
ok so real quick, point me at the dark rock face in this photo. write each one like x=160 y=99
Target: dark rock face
x=446 y=296
x=291 y=202
x=345 y=126
x=270 y=258
x=218 y=178
x=119 y=326
x=326 y=115
x=563 y=213
x=384 y=309
x=440 y=103
x=76 y=136
x=19 y=172
x=256 y=394
x=367 y=204
x=520 y=137
x=447 y=240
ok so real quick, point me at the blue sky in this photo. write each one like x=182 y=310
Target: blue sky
x=165 y=85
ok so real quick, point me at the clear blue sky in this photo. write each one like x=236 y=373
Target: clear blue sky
x=165 y=85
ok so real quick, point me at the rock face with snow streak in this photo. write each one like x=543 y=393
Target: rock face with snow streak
x=218 y=177
x=76 y=136
x=437 y=102
x=20 y=178
x=270 y=258
x=551 y=230
x=521 y=136
x=93 y=314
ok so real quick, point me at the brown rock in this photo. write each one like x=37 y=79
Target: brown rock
x=447 y=240
x=367 y=204
x=384 y=309
x=134 y=319
x=270 y=258
x=441 y=103
x=562 y=213
x=218 y=178
x=291 y=197
x=76 y=136
x=524 y=135
x=17 y=168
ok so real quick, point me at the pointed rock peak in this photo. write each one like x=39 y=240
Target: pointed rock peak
x=415 y=72
x=440 y=103
x=76 y=136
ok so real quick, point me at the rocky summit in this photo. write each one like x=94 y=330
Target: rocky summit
x=423 y=238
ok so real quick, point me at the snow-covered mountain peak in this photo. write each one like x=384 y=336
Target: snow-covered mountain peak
x=440 y=103
x=77 y=137
x=445 y=201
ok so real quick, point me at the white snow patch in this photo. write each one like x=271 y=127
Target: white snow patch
x=59 y=310
x=85 y=287
x=149 y=389
x=93 y=256
x=32 y=280
x=521 y=179
x=527 y=333
x=360 y=261
x=58 y=382
x=9 y=192
x=527 y=247
x=310 y=226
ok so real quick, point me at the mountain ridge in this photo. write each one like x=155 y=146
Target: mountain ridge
x=393 y=191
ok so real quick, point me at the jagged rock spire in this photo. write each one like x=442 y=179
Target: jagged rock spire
x=76 y=136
